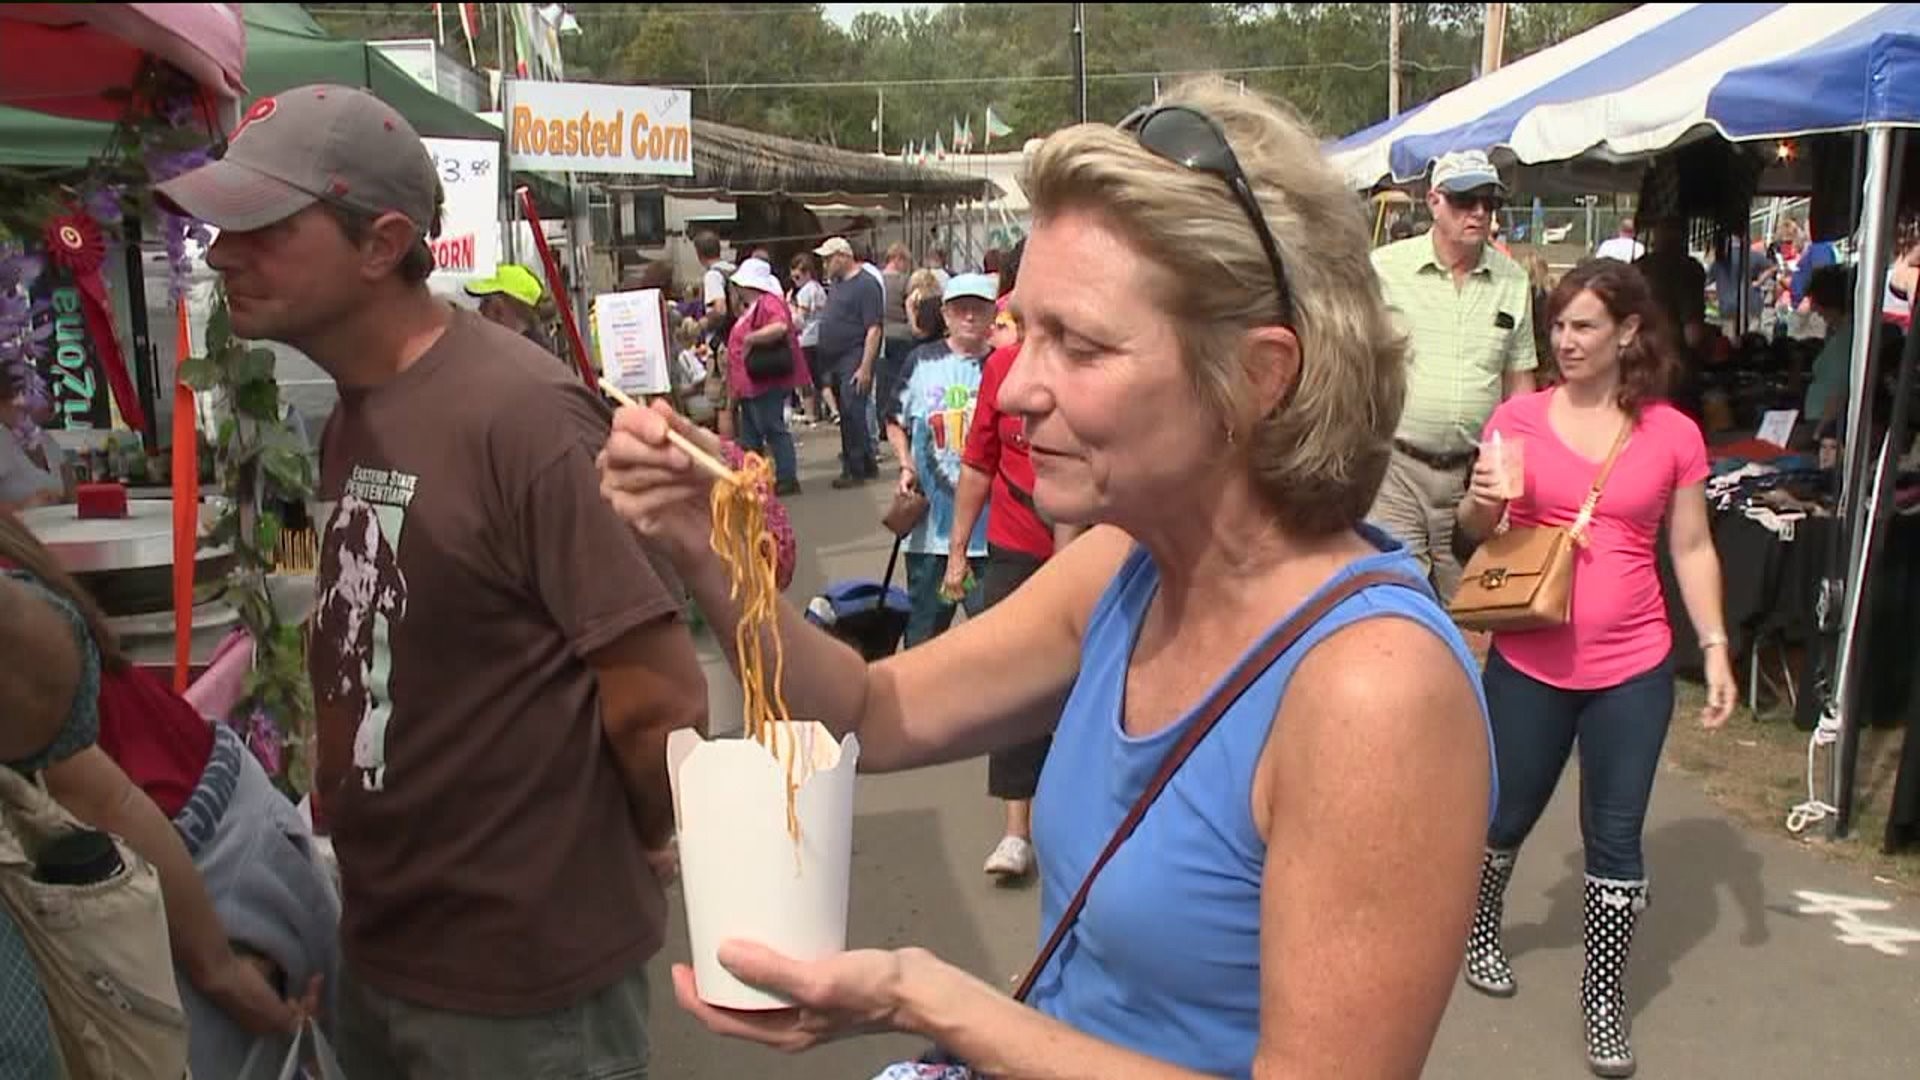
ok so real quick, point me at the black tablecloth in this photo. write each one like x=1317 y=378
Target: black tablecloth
x=1771 y=587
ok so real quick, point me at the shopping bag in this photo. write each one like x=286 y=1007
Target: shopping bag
x=260 y=1058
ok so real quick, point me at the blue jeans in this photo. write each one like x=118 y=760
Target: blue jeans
x=931 y=615
x=1620 y=730
x=763 y=427
x=857 y=458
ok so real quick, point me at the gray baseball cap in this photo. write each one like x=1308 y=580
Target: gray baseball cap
x=310 y=144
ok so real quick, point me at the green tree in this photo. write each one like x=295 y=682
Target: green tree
x=940 y=64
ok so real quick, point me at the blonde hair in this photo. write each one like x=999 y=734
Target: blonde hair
x=1319 y=458
x=923 y=283
x=1539 y=274
x=688 y=332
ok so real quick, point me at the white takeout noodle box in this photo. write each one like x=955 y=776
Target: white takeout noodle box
x=742 y=874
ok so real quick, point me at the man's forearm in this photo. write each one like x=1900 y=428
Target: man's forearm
x=1518 y=382
x=902 y=450
x=968 y=500
x=871 y=349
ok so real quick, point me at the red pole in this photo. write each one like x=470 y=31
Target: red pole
x=564 y=303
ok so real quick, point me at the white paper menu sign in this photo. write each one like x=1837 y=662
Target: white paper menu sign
x=630 y=338
x=1776 y=426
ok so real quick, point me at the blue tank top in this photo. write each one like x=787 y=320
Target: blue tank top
x=1165 y=958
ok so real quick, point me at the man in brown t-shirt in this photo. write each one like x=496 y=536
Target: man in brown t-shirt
x=495 y=665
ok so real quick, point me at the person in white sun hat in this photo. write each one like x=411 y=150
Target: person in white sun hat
x=764 y=366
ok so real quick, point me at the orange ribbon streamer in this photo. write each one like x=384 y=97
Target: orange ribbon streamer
x=186 y=509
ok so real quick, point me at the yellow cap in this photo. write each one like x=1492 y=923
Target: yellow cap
x=512 y=279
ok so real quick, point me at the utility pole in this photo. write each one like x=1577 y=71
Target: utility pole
x=1393 y=60
x=510 y=248
x=880 y=123
x=1080 y=62
x=1493 y=46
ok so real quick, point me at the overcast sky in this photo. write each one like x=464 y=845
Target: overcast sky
x=844 y=14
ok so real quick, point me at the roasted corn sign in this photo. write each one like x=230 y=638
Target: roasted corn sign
x=598 y=128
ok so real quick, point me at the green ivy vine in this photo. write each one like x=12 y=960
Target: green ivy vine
x=261 y=465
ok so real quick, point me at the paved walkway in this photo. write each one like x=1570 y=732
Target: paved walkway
x=1729 y=978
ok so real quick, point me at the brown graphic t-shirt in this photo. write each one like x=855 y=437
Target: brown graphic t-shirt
x=468 y=564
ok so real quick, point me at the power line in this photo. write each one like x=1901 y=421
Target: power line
x=1109 y=76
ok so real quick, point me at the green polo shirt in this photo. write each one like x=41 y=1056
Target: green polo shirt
x=1462 y=339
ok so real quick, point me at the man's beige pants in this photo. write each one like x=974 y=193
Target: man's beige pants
x=1416 y=506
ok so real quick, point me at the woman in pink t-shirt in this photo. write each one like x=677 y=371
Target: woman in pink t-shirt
x=1605 y=679
x=762 y=398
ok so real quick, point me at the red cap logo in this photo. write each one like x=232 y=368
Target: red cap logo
x=261 y=110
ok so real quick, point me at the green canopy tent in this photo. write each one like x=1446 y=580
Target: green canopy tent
x=285 y=48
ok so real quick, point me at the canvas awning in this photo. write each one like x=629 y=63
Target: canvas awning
x=732 y=161
x=1660 y=75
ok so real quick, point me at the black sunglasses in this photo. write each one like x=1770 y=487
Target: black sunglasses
x=1190 y=138
x=1493 y=203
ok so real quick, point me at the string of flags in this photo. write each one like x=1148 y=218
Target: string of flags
x=920 y=152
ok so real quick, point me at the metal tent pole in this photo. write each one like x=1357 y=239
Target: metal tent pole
x=1876 y=226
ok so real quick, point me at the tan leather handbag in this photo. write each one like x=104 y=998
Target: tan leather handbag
x=1522 y=579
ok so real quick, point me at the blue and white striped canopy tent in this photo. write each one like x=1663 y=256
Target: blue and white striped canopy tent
x=1660 y=75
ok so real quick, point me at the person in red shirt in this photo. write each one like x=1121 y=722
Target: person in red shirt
x=998 y=478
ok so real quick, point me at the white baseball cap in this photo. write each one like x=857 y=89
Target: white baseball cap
x=835 y=245
x=975 y=286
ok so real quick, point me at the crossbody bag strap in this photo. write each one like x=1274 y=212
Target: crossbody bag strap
x=1579 y=528
x=1210 y=713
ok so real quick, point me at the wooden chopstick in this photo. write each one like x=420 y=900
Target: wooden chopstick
x=700 y=457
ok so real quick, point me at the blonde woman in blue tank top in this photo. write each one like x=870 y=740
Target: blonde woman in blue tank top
x=1218 y=410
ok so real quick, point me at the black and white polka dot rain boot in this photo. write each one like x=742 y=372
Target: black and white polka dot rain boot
x=1487 y=969
x=1612 y=910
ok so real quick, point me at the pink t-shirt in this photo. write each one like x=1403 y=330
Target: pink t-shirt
x=1617 y=628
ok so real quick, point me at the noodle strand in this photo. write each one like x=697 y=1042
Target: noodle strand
x=741 y=539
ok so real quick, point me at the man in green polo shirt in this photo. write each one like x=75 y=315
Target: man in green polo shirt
x=1467 y=311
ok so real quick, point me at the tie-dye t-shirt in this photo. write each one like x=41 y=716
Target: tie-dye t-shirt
x=938 y=390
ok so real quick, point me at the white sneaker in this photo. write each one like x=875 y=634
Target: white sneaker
x=1013 y=857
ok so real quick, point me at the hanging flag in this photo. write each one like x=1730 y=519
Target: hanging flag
x=996 y=127
x=523 y=39
x=470 y=23
x=939 y=148
x=956 y=137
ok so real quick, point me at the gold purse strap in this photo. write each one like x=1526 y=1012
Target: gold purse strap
x=1578 y=531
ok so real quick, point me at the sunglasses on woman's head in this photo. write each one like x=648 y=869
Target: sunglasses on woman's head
x=1190 y=138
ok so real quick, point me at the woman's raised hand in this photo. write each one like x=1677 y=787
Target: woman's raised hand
x=655 y=484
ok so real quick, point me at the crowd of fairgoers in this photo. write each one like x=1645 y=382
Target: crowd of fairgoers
x=1196 y=460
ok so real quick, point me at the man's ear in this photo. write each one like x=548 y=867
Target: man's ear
x=389 y=239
